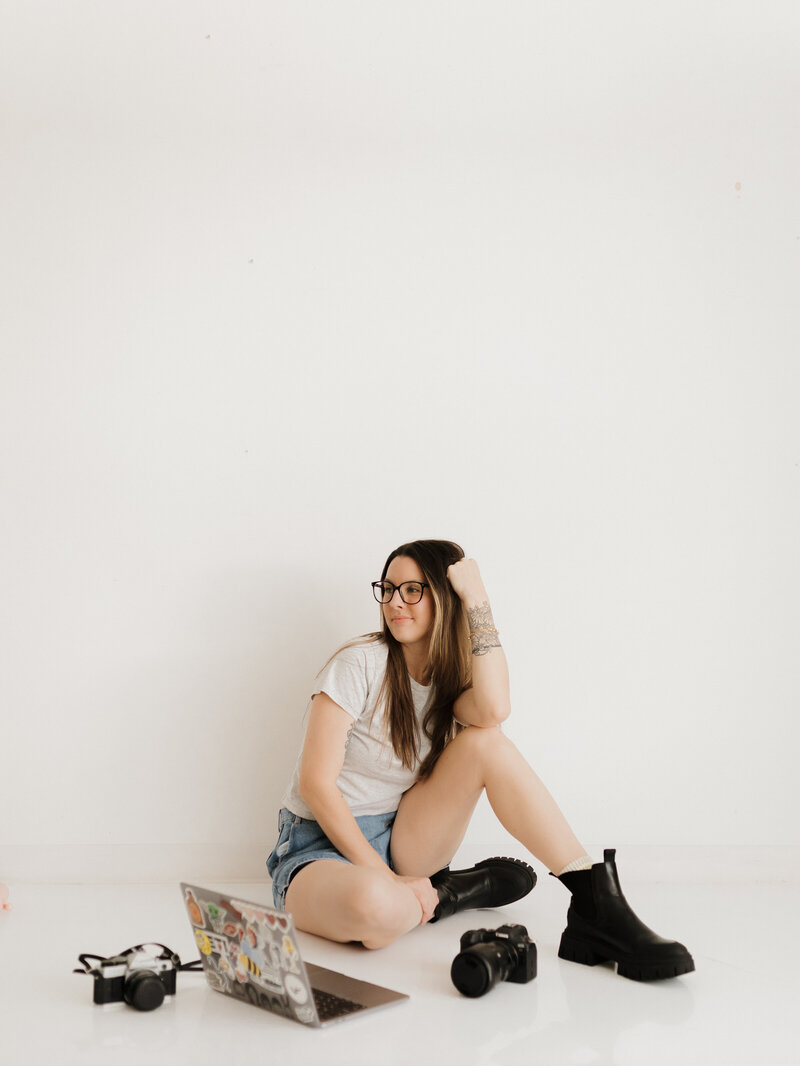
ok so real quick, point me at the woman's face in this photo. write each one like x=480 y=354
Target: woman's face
x=409 y=623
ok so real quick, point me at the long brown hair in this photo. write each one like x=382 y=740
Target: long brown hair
x=449 y=659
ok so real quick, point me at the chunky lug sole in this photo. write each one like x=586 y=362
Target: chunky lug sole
x=635 y=967
x=515 y=866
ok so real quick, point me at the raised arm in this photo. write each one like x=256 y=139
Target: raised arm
x=487 y=702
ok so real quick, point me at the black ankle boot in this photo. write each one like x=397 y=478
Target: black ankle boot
x=491 y=883
x=601 y=927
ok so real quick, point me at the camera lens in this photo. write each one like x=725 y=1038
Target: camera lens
x=144 y=990
x=472 y=975
x=480 y=967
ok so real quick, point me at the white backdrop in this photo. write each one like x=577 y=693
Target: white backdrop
x=285 y=285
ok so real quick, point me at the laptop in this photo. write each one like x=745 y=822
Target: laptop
x=250 y=951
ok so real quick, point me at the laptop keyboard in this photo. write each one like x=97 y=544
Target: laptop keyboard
x=331 y=1006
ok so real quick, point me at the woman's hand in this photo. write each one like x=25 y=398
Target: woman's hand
x=427 y=896
x=465 y=577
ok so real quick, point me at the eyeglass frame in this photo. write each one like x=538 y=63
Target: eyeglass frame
x=398 y=588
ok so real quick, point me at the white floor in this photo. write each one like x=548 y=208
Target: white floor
x=739 y=1007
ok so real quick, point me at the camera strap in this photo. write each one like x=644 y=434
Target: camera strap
x=166 y=953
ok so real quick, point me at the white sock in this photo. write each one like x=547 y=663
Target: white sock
x=583 y=863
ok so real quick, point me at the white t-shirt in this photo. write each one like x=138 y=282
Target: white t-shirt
x=372 y=779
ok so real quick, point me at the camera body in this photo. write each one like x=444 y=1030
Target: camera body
x=491 y=955
x=138 y=977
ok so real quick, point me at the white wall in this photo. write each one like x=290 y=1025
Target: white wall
x=285 y=285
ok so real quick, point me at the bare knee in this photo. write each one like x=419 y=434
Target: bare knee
x=477 y=742
x=380 y=910
x=349 y=903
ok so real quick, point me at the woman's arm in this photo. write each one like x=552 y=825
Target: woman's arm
x=323 y=755
x=320 y=766
x=488 y=702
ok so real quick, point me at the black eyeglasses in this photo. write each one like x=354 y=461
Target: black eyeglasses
x=410 y=591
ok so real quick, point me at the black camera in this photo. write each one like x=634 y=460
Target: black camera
x=139 y=976
x=491 y=955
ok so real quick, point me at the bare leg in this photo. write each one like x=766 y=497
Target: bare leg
x=434 y=814
x=350 y=903
x=345 y=903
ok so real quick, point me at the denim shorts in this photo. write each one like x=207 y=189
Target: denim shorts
x=301 y=841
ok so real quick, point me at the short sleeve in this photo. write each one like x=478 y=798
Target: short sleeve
x=346 y=680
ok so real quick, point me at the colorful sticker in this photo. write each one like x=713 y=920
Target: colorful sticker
x=217 y=980
x=258 y=916
x=289 y=947
x=289 y=956
x=264 y=955
x=295 y=989
x=219 y=945
x=249 y=912
x=202 y=942
x=193 y=908
x=216 y=915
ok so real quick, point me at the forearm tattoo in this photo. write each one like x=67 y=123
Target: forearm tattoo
x=482 y=632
